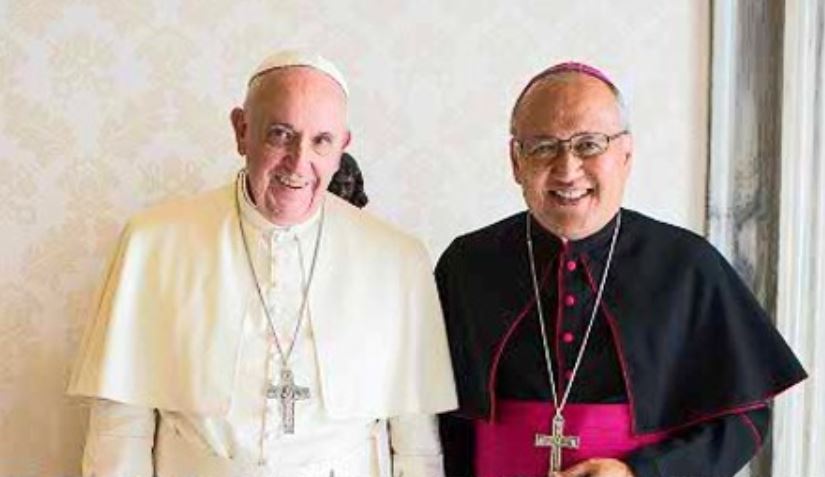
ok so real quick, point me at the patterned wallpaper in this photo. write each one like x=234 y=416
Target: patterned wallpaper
x=107 y=106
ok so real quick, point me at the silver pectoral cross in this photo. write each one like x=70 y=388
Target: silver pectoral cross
x=287 y=393
x=556 y=442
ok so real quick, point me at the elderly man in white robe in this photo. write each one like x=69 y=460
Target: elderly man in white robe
x=268 y=328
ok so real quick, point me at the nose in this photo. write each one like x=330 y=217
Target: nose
x=566 y=166
x=298 y=154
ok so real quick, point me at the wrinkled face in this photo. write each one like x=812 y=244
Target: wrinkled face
x=571 y=197
x=292 y=131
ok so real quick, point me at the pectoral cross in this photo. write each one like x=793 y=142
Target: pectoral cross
x=287 y=393
x=556 y=442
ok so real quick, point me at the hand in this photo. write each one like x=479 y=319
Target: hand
x=598 y=468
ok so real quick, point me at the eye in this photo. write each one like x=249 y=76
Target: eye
x=323 y=144
x=322 y=140
x=543 y=149
x=589 y=146
x=280 y=135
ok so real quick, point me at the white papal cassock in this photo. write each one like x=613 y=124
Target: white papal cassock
x=180 y=331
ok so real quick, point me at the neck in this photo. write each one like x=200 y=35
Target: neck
x=567 y=236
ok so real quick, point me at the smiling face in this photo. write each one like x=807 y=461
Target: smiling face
x=292 y=131
x=570 y=196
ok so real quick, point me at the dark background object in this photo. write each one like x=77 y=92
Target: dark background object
x=348 y=183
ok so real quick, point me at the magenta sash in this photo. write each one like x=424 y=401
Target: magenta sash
x=505 y=448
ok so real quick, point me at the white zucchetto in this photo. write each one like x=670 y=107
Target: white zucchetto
x=287 y=58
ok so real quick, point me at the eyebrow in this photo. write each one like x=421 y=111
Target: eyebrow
x=550 y=136
x=278 y=124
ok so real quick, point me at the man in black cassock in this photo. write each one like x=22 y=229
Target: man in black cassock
x=591 y=340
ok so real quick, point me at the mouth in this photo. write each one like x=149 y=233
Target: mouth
x=292 y=181
x=570 y=197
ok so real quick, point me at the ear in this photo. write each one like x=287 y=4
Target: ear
x=347 y=139
x=628 y=151
x=514 y=161
x=240 y=127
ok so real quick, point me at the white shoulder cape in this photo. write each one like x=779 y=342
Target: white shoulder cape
x=167 y=329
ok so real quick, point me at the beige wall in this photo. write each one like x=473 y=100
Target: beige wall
x=107 y=106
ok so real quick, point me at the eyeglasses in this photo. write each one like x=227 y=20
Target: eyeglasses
x=582 y=145
x=282 y=136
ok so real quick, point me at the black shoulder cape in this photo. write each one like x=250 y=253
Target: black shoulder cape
x=692 y=340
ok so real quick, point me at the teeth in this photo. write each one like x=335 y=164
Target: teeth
x=571 y=194
x=294 y=181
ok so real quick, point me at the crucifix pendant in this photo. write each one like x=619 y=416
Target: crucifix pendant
x=556 y=442
x=287 y=393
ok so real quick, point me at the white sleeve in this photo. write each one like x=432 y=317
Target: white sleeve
x=416 y=448
x=119 y=442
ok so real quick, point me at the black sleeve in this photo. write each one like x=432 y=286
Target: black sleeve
x=457 y=441
x=716 y=448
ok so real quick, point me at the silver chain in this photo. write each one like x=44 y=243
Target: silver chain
x=560 y=405
x=306 y=283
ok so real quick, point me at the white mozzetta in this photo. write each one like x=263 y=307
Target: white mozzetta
x=179 y=285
